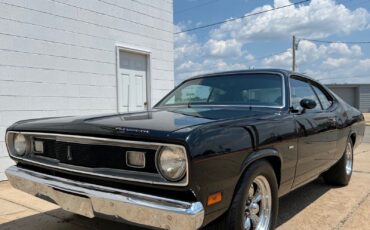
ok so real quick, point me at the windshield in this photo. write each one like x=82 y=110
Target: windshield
x=244 y=89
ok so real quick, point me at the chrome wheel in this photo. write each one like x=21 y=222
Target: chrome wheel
x=257 y=212
x=349 y=158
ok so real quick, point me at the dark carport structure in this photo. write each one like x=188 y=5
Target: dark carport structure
x=357 y=95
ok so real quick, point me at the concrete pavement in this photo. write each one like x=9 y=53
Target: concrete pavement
x=314 y=206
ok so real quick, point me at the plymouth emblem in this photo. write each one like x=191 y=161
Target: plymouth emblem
x=132 y=131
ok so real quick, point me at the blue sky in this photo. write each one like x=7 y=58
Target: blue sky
x=251 y=42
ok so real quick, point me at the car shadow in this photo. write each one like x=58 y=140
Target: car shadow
x=290 y=205
x=63 y=220
x=294 y=202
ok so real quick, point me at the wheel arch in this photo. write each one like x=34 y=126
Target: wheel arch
x=270 y=155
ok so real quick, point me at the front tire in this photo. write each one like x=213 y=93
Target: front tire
x=340 y=174
x=255 y=202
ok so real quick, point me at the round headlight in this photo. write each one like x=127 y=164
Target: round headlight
x=20 y=144
x=172 y=163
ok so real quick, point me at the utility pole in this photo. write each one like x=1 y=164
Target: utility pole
x=293 y=53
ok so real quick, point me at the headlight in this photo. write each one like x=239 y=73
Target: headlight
x=172 y=163
x=20 y=144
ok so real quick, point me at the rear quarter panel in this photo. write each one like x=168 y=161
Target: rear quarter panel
x=350 y=121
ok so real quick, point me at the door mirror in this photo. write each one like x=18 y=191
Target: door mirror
x=308 y=103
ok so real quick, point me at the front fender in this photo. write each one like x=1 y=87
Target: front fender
x=260 y=154
x=217 y=154
x=273 y=156
x=221 y=153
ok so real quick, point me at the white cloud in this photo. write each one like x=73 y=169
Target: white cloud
x=227 y=45
x=282 y=60
x=309 y=52
x=249 y=57
x=318 y=19
x=186 y=46
x=334 y=62
x=224 y=48
x=188 y=69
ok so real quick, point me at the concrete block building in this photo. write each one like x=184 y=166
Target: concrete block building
x=73 y=57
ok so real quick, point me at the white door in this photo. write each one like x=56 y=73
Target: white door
x=132 y=78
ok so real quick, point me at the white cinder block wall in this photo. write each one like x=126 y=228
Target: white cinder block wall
x=57 y=57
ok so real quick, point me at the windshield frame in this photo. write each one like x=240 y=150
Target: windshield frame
x=227 y=105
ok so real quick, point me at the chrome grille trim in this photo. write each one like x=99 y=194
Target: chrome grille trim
x=100 y=141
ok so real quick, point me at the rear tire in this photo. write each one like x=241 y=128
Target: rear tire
x=255 y=202
x=340 y=174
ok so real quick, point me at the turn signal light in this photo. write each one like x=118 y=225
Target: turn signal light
x=38 y=146
x=135 y=159
x=214 y=199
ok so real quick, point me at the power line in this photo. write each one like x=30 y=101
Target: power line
x=331 y=42
x=241 y=17
x=196 y=6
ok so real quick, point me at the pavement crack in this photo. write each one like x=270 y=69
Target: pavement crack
x=350 y=214
x=358 y=153
x=358 y=171
x=12 y=213
x=20 y=205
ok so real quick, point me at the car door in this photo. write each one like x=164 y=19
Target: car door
x=316 y=132
x=330 y=112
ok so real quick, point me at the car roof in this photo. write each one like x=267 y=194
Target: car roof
x=246 y=71
x=251 y=71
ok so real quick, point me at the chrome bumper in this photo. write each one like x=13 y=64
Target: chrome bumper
x=94 y=200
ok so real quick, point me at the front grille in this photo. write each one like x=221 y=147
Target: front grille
x=95 y=156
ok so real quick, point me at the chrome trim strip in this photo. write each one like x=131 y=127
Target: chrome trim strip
x=94 y=200
x=106 y=141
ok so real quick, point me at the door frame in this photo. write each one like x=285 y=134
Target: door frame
x=135 y=50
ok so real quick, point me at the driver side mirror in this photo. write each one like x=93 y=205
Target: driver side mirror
x=307 y=104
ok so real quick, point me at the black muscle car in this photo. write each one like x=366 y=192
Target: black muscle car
x=217 y=152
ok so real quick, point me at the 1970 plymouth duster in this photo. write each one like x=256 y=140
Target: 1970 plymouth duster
x=216 y=152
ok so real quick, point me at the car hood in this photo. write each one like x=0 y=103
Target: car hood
x=152 y=124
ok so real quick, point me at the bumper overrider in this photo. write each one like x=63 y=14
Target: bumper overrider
x=93 y=200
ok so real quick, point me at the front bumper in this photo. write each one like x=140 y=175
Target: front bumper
x=94 y=200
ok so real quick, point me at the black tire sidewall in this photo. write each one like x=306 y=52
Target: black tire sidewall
x=343 y=162
x=236 y=212
x=337 y=174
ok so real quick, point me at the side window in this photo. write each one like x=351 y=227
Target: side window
x=325 y=101
x=302 y=90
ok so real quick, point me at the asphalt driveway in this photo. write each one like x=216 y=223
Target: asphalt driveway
x=314 y=206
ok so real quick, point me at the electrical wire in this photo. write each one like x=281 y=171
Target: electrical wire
x=241 y=17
